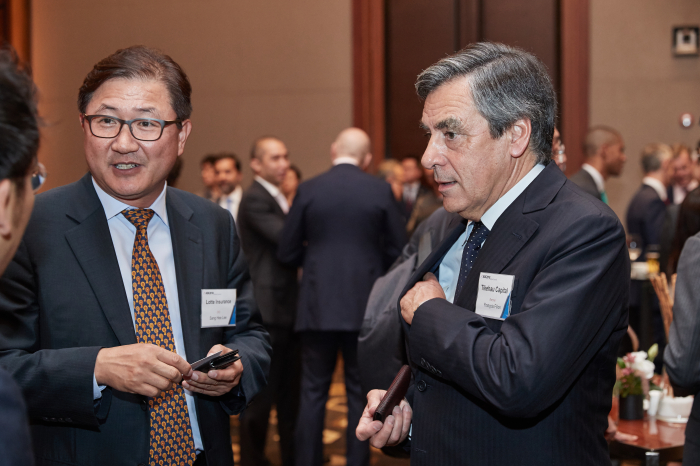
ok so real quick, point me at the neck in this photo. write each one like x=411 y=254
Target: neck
x=657 y=176
x=597 y=163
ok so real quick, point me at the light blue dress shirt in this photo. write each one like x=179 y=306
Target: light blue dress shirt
x=449 y=267
x=123 y=233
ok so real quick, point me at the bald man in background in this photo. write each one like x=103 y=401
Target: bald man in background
x=345 y=229
x=605 y=157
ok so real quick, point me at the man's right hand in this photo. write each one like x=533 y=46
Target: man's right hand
x=144 y=369
x=395 y=428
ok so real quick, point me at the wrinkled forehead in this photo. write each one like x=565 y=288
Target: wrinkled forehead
x=149 y=97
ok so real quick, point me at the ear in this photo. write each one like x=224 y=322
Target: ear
x=255 y=165
x=366 y=160
x=519 y=135
x=334 y=153
x=7 y=197
x=183 y=135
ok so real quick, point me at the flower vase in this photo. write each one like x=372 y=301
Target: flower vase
x=632 y=407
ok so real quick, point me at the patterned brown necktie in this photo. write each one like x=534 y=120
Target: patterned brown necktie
x=171 y=441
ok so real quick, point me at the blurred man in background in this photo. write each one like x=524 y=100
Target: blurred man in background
x=208 y=173
x=260 y=221
x=228 y=178
x=558 y=151
x=682 y=172
x=605 y=158
x=345 y=230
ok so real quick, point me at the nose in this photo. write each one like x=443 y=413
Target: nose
x=124 y=143
x=432 y=156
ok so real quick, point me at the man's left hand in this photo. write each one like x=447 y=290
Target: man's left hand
x=215 y=382
x=421 y=292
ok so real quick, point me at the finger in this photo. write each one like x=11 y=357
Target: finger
x=407 y=414
x=395 y=436
x=380 y=438
x=167 y=371
x=430 y=277
x=367 y=428
x=228 y=374
x=175 y=360
x=204 y=391
x=217 y=348
x=219 y=387
x=374 y=397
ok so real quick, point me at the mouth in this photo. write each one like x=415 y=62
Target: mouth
x=125 y=166
x=445 y=185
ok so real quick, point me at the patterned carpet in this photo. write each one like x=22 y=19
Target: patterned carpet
x=333 y=435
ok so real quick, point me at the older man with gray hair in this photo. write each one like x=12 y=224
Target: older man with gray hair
x=513 y=322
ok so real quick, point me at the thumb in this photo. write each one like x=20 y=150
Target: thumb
x=429 y=276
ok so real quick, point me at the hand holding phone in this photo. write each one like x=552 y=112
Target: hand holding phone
x=216 y=361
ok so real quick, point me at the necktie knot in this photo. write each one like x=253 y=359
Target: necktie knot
x=139 y=217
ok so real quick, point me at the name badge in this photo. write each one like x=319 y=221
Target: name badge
x=218 y=308
x=493 y=298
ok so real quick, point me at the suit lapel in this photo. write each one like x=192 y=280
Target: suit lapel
x=189 y=261
x=266 y=194
x=91 y=242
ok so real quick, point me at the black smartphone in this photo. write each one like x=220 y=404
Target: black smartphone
x=215 y=361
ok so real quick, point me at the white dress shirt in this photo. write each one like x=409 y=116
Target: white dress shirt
x=451 y=263
x=123 y=234
x=679 y=192
x=232 y=201
x=410 y=191
x=274 y=192
x=657 y=185
x=597 y=177
x=346 y=159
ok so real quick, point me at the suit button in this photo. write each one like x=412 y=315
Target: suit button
x=422 y=385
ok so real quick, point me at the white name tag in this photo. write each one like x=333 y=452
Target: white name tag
x=493 y=299
x=218 y=308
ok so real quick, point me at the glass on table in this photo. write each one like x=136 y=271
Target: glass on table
x=634 y=247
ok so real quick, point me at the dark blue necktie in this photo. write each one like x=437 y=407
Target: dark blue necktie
x=471 y=249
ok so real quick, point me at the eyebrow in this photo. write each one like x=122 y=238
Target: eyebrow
x=451 y=123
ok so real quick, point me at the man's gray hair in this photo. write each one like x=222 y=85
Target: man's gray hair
x=507 y=84
x=653 y=155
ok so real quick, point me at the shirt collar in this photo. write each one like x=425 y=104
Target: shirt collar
x=235 y=194
x=113 y=207
x=597 y=177
x=271 y=188
x=346 y=159
x=657 y=185
x=491 y=216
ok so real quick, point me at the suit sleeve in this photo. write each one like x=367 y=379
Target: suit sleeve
x=570 y=309
x=15 y=443
x=290 y=250
x=57 y=383
x=261 y=218
x=682 y=355
x=248 y=336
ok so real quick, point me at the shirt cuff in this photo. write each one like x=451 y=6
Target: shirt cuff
x=96 y=389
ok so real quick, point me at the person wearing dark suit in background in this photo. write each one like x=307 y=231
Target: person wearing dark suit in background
x=682 y=180
x=208 y=174
x=101 y=307
x=646 y=211
x=345 y=230
x=493 y=387
x=682 y=356
x=291 y=183
x=605 y=158
x=228 y=177
x=21 y=175
x=260 y=222
x=687 y=225
x=414 y=185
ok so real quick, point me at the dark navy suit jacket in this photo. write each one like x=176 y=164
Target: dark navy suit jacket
x=62 y=299
x=536 y=388
x=645 y=216
x=345 y=229
x=15 y=444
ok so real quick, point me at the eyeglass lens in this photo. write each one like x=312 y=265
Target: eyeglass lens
x=144 y=129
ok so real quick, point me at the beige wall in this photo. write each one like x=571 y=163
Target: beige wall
x=637 y=85
x=257 y=67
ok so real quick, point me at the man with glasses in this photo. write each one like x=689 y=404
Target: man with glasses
x=102 y=306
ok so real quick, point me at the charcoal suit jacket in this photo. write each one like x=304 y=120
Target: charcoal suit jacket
x=345 y=229
x=536 y=388
x=62 y=299
x=260 y=223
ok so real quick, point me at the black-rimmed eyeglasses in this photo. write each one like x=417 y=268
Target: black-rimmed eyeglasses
x=143 y=129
